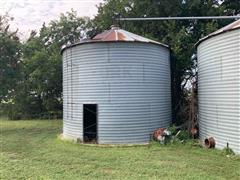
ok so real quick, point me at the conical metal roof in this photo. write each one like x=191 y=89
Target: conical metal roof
x=115 y=34
x=230 y=27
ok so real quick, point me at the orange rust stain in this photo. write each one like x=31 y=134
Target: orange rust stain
x=111 y=37
x=121 y=37
x=100 y=36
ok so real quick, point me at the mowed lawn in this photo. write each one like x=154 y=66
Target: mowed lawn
x=31 y=149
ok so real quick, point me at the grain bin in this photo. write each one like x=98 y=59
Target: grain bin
x=219 y=86
x=116 y=88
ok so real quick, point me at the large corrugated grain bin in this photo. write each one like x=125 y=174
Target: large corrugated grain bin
x=116 y=88
x=219 y=86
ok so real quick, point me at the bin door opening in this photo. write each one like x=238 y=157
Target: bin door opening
x=90 y=123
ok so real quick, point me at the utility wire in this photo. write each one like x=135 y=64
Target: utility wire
x=178 y=18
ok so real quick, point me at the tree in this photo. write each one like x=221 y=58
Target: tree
x=10 y=52
x=231 y=7
x=39 y=93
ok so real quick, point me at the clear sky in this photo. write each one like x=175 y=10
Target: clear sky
x=30 y=14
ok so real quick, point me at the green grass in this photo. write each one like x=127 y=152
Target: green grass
x=31 y=150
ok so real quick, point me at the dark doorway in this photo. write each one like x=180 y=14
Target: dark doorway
x=90 y=123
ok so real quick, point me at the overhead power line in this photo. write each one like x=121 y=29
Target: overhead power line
x=178 y=18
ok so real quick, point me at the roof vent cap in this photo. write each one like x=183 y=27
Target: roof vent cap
x=115 y=27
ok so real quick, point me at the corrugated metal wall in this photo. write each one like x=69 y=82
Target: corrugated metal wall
x=219 y=89
x=130 y=82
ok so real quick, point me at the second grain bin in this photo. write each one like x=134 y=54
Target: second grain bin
x=116 y=88
x=219 y=86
